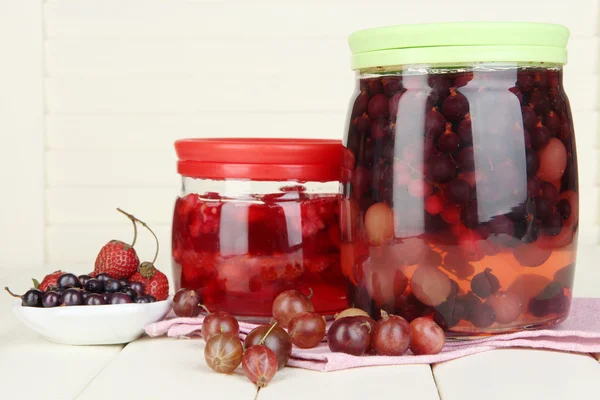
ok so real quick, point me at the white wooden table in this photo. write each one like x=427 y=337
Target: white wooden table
x=165 y=368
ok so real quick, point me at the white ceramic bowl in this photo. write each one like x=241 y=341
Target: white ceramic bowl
x=92 y=325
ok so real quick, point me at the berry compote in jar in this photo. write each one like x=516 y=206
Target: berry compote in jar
x=461 y=196
x=257 y=217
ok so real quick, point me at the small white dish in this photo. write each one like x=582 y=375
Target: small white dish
x=92 y=325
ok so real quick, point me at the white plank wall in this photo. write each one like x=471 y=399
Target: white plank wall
x=22 y=133
x=123 y=79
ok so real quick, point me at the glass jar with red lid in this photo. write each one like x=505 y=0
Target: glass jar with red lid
x=256 y=217
x=461 y=201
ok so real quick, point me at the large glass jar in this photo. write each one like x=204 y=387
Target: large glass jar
x=461 y=199
x=256 y=217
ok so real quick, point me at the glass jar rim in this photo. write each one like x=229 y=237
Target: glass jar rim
x=318 y=160
x=456 y=42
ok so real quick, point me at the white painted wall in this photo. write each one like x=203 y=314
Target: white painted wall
x=122 y=79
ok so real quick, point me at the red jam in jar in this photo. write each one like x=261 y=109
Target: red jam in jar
x=257 y=217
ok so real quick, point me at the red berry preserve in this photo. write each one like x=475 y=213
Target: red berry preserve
x=460 y=193
x=257 y=217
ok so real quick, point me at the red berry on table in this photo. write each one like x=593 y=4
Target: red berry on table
x=157 y=284
x=219 y=322
x=49 y=281
x=350 y=335
x=391 y=336
x=186 y=303
x=426 y=337
x=289 y=303
x=260 y=365
x=275 y=338
x=223 y=353
x=307 y=329
x=117 y=258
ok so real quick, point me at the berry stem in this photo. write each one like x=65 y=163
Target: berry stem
x=204 y=308
x=367 y=325
x=132 y=219
x=257 y=390
x=262 y=341
x=147 y=227
x=310 y=293
x=384 y=315
x=11 y=293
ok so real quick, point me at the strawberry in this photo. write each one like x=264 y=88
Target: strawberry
x=49 y=281
x=156 y=282
x=116 y=258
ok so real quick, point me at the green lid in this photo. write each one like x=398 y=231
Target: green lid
x=459 y=42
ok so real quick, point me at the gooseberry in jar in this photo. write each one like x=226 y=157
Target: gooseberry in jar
x=531 y=255
x=379 y=223
x=455 y=106
x=307 y=329
x=223 y=352
x=289 y=303
x=553 y=161
x=430 y=285
x=507 y=306
x=485 y=284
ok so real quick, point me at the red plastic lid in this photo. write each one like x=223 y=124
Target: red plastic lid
x=260 y=159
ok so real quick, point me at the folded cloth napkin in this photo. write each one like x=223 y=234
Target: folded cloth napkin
x=580 y=333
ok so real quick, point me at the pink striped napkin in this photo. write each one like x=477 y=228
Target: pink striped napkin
x=580 y=333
